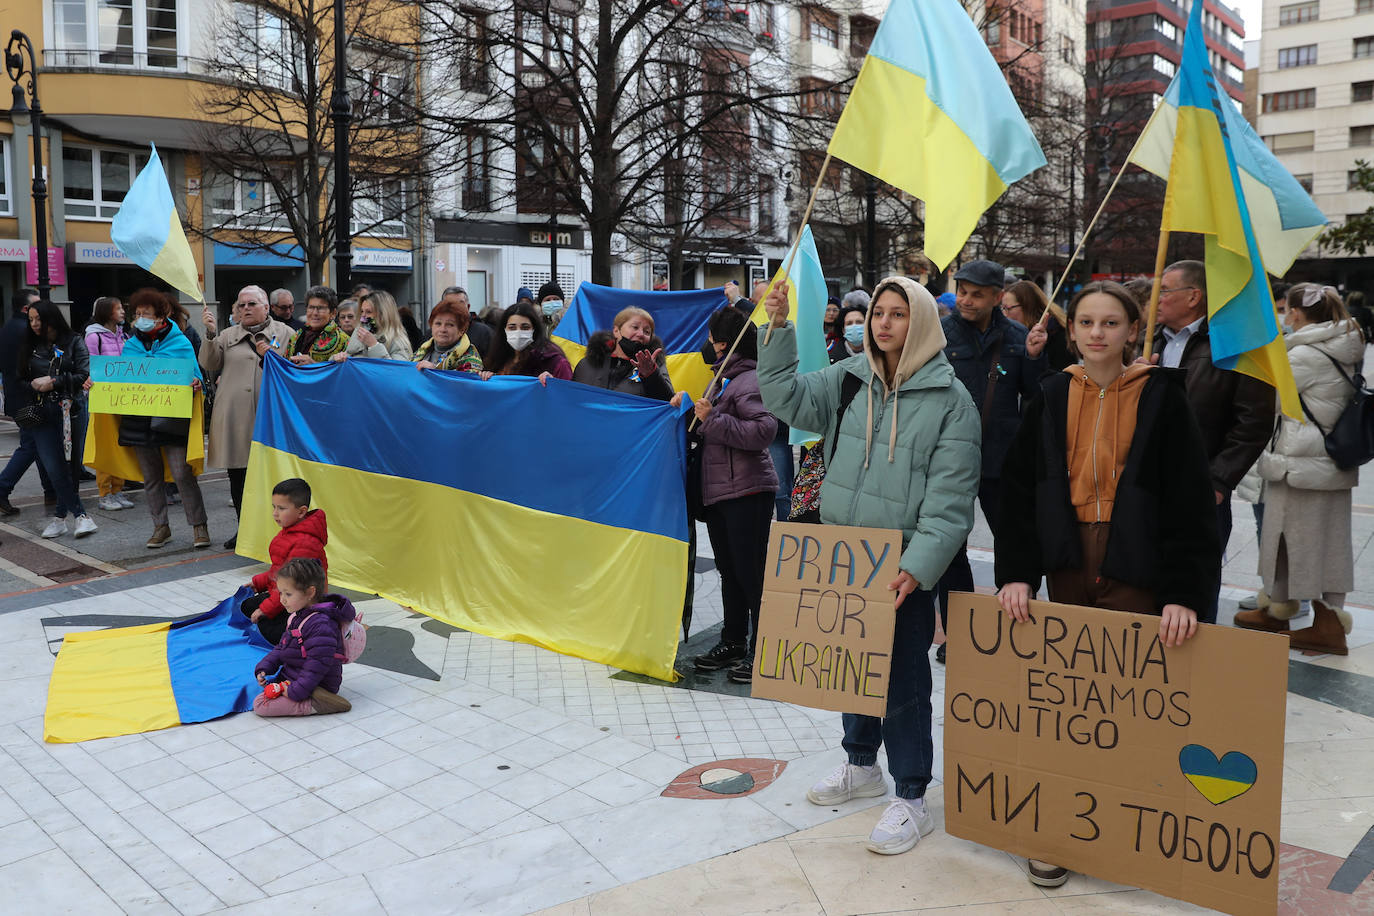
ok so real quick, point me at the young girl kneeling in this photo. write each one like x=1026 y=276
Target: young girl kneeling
x=1106 y=490
x=301 y=676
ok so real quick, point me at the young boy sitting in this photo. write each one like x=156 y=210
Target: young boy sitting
x=303 y=535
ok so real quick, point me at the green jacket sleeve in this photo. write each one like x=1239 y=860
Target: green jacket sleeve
x=946 y=515
x=803 y=401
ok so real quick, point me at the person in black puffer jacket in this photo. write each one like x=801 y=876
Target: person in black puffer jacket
x=627 y=358
x=53 y=371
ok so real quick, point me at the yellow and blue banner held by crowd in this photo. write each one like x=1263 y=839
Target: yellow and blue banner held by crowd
x=138 y=679
x=931 y=114
x=1224 y=183
x=549 y=515
x=680 y=320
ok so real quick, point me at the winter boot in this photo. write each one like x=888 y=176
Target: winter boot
x=1259 y=619
x=1327 y=633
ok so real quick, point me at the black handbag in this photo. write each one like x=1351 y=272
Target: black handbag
x=1350 y=442
x=30 y=416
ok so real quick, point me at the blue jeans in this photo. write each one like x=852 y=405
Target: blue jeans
x=52 y=459
x=781 y=452
x=906 y=727
x=25 y=455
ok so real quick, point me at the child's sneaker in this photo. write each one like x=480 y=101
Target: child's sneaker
x=111 y=503
x=901 y=827
x=325 y=702
x=124 y=501
x=848 y=781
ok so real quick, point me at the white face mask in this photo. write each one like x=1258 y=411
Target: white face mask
x=519 y=340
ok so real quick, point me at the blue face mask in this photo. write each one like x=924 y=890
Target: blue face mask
x=854 y=334
x=552 y=307
x=145 y=324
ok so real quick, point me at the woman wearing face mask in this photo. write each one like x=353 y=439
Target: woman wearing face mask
x=627 y=358
x=156 y=440
x=448 y=347
x=522 y=347
x=906 y=455
x=53 y=368
x=850 y=341
x=321 y=337
x=378 y=333
x=105 y=337
x=550 y=301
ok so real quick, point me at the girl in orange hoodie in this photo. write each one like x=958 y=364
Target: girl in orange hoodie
x=1106 y=491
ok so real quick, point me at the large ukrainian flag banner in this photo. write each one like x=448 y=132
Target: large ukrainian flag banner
x=139 y=679
x=680 y=319
x=549 y=515
x=1224 y=183
x=931 y=114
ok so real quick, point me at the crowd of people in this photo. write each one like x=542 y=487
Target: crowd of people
x=1106 y=476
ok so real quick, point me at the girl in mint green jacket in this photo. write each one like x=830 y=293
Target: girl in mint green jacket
x=907 y=456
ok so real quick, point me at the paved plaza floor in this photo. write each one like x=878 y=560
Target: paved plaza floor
x=480 y=776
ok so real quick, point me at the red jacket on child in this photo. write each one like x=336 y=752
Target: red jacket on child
x=305 y=539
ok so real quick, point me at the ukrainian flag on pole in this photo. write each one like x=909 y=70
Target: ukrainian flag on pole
x=148 y=230
x=932 y=115
x=806 y=300
x=1224 y=183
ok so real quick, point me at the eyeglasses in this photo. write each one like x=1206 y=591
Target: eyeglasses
x=318 y=308
x=1176 y=289
x=1011 y=308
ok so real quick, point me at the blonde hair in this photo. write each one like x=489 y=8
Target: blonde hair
x=1319 y=303
x=388 y=317
x=632 y=311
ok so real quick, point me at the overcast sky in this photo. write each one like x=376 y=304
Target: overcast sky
x=1250 y=12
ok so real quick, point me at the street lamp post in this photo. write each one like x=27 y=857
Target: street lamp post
x=31 y=112
x=341 y=111
x=871 y=233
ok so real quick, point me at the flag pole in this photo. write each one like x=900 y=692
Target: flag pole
x=1153 y=311
x=1081 y=242
x=786 y=272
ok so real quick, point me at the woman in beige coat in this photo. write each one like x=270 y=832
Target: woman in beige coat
x=1305 y=547
x=235 y=357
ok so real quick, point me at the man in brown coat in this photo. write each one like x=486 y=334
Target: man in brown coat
x=234 y=358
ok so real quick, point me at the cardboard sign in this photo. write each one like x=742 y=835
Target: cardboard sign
x=141 y=386
x=825 y=627
x=1078 y=739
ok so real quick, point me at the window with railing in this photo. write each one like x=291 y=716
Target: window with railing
x=541 y=167
x=1292 y=100
x=95 y=180
x=474 y=65
x=379 y=207
x=475 y=156
x=116 y=33
x=820 y=98
x=548 y=39
x=765 y=21
x=1294 y=13
x=246 y=202
x=821 y=26
x=381 y=87
x=1364 y=46
x=1300 y=56
x=861 y=32
x=265 y=47
x=767 y=206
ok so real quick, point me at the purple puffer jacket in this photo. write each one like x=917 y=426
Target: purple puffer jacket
x=308 y=655
x=737 y=433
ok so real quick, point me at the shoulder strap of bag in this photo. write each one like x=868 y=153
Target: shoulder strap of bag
x=848 y=389
x=1312 y=418
x=1353 y=382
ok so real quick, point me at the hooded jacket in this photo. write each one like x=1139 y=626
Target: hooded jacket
x=166 y=342
x=101 y=341
x=1163 y=529
x=304 y=539
x=1100 y=429
x=908 y=455
x=310 y=653
x=736 y=435
x=603 y=370
x=1296 y=454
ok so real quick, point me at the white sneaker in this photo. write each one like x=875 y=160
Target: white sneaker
x=846 y=782
x=85 y=525
x=901 y=827
x=124 y=501
x=56 y=528
x=111 y=503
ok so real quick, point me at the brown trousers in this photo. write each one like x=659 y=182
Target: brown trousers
x=1086 y=585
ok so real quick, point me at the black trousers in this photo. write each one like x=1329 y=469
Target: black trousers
x=738 y=529
x=958 y=575
x=271 y=628
x=237 y=477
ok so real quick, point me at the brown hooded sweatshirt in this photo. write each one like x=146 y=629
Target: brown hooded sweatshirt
x=1100 y=427
x=924 y=339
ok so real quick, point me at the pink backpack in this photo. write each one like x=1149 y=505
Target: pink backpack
x=352 y=637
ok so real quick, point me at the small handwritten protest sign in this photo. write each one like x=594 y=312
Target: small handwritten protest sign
x=141 y=387
x=1077 y=738
x=825 y=627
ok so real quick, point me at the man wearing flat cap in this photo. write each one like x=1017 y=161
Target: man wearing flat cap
x=1000 y=363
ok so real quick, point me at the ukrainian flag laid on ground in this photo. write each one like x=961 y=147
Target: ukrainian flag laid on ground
x=549 y=515
x=680 y=319
x=148 y=230
x=139 y=679
x=1224 y=183
x=806 y=300
x=931 y=114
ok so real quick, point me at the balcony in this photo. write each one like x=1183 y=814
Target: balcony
x=476 y=194
x=154 y=63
